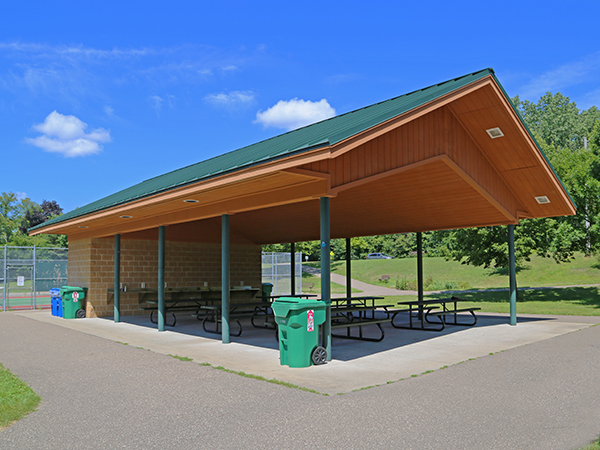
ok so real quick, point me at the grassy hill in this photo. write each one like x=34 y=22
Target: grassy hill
x=442 y=275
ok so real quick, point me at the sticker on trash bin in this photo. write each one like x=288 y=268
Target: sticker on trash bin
x=75 y=296
x=310 y=320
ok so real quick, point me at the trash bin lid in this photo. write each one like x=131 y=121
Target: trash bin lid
x=283 y=305
x=70 y=289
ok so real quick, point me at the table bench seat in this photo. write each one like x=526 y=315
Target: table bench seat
x=447 y=312
x=212 y=314
x=359 y=323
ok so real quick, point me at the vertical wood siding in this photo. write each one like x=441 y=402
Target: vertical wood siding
x=436 y=133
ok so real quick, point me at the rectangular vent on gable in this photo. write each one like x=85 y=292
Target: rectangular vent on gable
x=542 y=200
x=495 y=132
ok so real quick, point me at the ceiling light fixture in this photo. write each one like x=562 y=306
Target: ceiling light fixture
x=495 y=132
x=190 y=200
x=542 y=200
x=82 y=226
x=125 y=217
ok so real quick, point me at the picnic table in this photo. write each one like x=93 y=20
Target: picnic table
x=255 y=310
x=275 y=297
x=172 y=306
x=195 y=300
x=440 y=308
x=351 y=312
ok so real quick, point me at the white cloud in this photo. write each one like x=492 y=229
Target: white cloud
x=109 y=110
x=570 y=74
x=156 y=103
x=21 y=195
x=231 y=99
x=294 y=114
x=66 y=135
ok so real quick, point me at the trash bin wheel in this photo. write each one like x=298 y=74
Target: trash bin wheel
x=80 y=313
x=319 y=356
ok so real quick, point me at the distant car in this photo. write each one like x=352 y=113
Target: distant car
x=379 y=256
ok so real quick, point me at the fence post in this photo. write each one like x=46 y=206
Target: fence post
x=4 y=286
x=33 y=290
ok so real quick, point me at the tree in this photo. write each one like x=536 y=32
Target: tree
x=9 y=216
x=40 y=214
x=557 y=120
x=17 y=216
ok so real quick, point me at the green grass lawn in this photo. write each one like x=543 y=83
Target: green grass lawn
x=580 y=301
x=16 y=398
x=307 y=280
x=450 y=275
x=538 y=272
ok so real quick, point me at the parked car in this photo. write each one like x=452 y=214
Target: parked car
x=379 y=256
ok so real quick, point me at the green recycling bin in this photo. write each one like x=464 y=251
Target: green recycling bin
x=267 y=288
x=298 y=320
x=72 y=300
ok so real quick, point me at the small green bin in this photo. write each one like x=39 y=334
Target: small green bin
x=72 y=300
x=298 y=320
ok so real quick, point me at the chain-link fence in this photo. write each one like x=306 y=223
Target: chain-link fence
x=28 y=273
x=277 y=270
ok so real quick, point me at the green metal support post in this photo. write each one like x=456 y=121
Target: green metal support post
x=420 y=272
x=162 y=310
x=225 y=232
x=348 y=270
x=117 y=287
x=293 y=269
x=512 y=270
x=326 y=273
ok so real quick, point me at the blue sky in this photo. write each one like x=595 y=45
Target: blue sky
x=96 y=97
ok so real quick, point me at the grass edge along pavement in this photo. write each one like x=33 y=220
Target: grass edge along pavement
x=593 y=446
x=17 y=399
x=249 y=375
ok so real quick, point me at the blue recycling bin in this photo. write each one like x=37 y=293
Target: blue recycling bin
x=57 y=307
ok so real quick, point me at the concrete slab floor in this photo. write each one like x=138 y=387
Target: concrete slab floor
x=355 y=365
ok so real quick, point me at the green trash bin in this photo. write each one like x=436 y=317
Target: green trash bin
x=72 y=300
x=298 y=320
x=267 y=288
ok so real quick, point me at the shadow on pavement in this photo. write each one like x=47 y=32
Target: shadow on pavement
x=344 y=349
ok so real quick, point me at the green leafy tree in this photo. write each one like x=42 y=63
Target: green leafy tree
x=10 y=218
x=17 y=216
x=557 y=120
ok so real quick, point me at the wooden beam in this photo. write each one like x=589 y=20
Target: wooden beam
x=294 y=194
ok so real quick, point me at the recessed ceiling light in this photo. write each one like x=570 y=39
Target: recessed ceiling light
x=81 y=226
x=495 y=132
x=125 y=217
x=542 y=200
x=190 y=200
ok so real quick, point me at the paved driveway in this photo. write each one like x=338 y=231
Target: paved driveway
x=101 y=394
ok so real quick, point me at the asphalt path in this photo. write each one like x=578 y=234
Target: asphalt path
x=99 y=394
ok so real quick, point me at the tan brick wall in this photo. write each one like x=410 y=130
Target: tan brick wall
x=91 y=265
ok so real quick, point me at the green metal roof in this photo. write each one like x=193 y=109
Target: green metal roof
x=320 y=134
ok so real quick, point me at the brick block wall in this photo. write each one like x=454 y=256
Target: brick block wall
x=187 y=264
